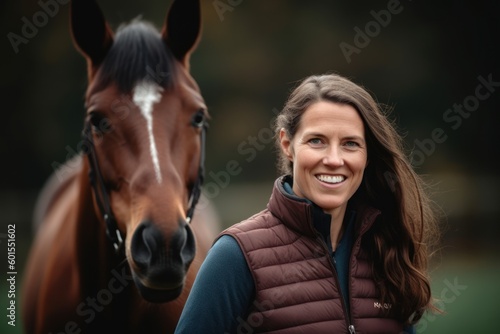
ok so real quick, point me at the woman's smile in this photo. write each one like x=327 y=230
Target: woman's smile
x=331 y=179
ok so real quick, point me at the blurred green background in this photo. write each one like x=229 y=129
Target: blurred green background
x=428 y=58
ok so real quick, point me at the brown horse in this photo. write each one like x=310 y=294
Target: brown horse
x=117 y=252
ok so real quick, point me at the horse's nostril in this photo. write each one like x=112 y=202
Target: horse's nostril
x=162 y=260
x=188 y=248
x=147 y=245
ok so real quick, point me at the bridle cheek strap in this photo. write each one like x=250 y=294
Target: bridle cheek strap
x=102 y=197
x=100 y=192
x=196 y=191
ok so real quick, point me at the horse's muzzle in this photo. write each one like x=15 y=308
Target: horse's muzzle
x=160 y=262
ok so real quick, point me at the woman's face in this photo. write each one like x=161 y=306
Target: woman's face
x=328 y=153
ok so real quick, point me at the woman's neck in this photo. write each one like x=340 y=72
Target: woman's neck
x=337 y=226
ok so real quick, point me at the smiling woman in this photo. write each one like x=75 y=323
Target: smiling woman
x=341 y=247
x=329 y=156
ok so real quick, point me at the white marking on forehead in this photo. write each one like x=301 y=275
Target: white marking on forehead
x=145 y=95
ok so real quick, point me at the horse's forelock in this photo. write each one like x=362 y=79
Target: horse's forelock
x=138 y=54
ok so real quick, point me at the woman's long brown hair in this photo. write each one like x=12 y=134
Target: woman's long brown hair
x=401 y=241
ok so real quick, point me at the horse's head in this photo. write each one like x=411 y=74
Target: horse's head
x=144 y=131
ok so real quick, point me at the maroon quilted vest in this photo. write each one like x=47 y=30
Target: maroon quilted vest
x=296 y=285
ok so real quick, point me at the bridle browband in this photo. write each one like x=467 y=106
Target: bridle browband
x=102 y=196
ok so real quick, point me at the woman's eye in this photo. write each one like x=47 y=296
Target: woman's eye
x=198 y=119
x=351 y=144
x=315 y=141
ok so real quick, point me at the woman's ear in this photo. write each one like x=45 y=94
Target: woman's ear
x=286 y=144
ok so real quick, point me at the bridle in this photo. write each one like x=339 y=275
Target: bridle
x=101 y=193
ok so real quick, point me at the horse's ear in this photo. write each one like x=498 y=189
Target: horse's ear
x=181 y=31
x=90 y=31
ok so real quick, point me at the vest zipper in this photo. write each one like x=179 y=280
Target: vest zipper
x=350 y=326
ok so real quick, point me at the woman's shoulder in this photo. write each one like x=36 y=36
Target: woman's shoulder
x=259 y=220
x=226 y=246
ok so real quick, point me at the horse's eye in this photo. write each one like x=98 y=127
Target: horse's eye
x=198 y=119
x=99 y=122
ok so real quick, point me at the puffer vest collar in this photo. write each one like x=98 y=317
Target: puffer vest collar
x=307 y=218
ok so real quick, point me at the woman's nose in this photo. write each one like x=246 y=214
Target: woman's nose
x=333 y=157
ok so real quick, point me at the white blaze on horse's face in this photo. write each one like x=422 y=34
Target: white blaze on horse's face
x=145 y=95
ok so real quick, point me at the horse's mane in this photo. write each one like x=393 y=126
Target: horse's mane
x=138 y=54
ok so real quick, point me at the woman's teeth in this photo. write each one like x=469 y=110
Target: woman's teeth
x=331 y=179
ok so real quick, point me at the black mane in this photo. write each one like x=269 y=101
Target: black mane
x=138 y=54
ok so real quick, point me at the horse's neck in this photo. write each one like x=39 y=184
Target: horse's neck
x=73 y=240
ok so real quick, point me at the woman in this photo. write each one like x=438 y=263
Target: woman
x=343 y=244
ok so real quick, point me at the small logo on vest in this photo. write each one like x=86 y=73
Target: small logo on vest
x=386 y=306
